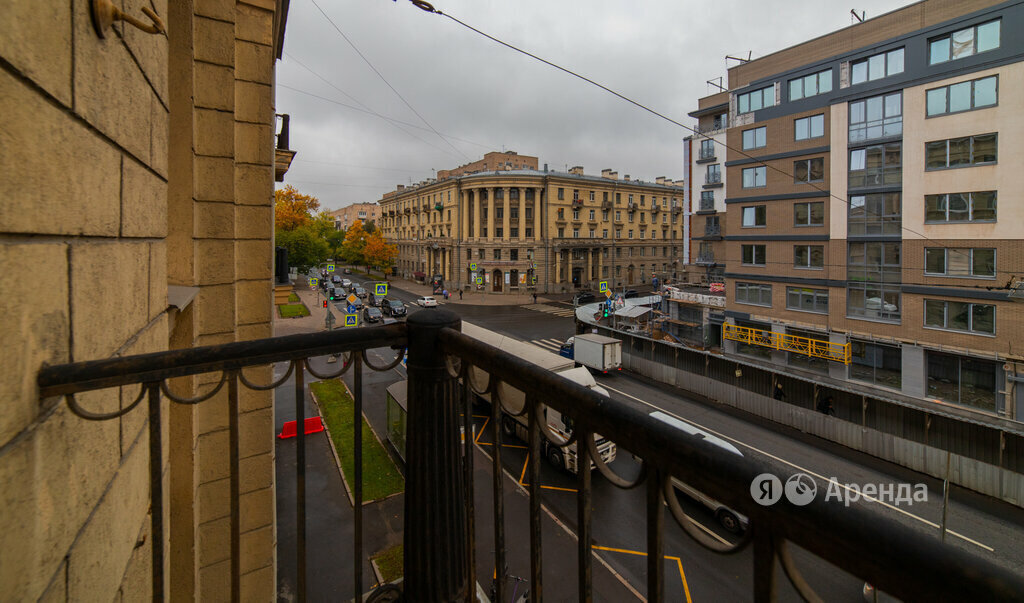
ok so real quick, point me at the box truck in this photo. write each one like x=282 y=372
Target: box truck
x=597 y=352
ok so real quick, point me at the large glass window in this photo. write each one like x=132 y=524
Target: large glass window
x=960 y=316
x=707 y=200
x=876 y=363
x=807 y=300
x=964 y=96
x=960 y=261
x=751 y=293
x=876 y=165
x=809 y=127
x=977 y=206
x=755 y=138
x=873 y=262
x=960 y=152
x=713 y=174
x=755 y=177
x=809 y=256
x=810 y=85
x=963 y=380
x=875 y=214
x=877 y=66
x=876 y=117
x=762 y=333
x=753 y=255
x=758 y=99
x=809 y=170
x=964 y=43
x=809 y=214
x=707 y=149
x=754 y=216
x=873 y=301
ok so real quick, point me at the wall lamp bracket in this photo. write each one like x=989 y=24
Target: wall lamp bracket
x=104 y=14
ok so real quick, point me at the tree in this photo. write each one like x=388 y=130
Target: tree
x=379 y=253
x=355 y=243
x=305 y=248
x=292 y=209
x=369 y=227
x=335 y=240
x=323 y=224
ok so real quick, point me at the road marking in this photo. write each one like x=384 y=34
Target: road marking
x=565 y=312
x=548 y=344
x=801 y=469
x=522 y=476
x=679 y=562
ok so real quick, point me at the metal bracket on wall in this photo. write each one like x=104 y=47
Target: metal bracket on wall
x=104 y=14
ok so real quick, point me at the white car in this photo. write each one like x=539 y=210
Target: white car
x=426 y=301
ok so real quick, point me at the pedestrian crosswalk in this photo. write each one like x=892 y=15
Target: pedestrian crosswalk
x=556 y=310
x=551 y=345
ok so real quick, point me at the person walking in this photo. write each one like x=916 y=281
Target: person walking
x=779 y=394
x=460 y=293
x=825 y=407
x=534 y=298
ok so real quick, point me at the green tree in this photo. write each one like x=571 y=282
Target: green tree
x=305 y=248
x=335 y=241
x=354 y=245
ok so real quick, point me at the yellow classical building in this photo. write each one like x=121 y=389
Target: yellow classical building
x=502 y=225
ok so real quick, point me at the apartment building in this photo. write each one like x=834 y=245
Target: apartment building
x=514 y=230
x=870 y=203
x=347 y=216
x=704 y=156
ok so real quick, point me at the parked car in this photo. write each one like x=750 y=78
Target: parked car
x=392 y=307
x=584 y=297
x=359 y=291
x=371 y=314
x=630 y=293
x=426 y=301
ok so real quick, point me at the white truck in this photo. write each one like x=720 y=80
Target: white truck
x=514 y=399
x=598 y=352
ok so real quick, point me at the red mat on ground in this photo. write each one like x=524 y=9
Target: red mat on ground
x=313 y=425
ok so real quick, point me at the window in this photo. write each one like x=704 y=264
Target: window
x=807 y=300
x=480 y=253
x=755 y=177
x=960 y=316
x=592 y=215
x=618 y=234
x=873 y=301
x=753 y=255
x=809 y=214
x=707 y=149
x=604 y=215
x=963 y=261
x=561 y=194
x=592 y=233
x=809 y=256
x=876 y=214
x=561 y=233
x=753 y=216
x=591 y=195
x=618 y=216
x=707 y=200
x=513 y=254
x=750 y=293
x=873 y=262
x=575 y=233
x=498 y=232
x=964 y=96
x=809 y=170
x=876 y=363
x=575 y=215
x=960 y=152
x=604 y=234
x=964 y=43
x=758 y=99
x=809 y=127
x=962 y=380
x=960 y=207
x=810 y=85
x=876 y=117
x=877 y=165
x=714 y=174
x=631 y=233
x=877 y=66
x=755 y=138
x=497 y=254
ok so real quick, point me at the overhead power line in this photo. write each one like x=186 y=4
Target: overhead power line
x=426 y=6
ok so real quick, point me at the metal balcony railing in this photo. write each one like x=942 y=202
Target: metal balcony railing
x=707 y=152
x=715 y=178
x=706 y=257
x=707 y=204
x=439 y=541
x=712 y=230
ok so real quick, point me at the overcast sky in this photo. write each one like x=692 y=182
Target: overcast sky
x=481 y=96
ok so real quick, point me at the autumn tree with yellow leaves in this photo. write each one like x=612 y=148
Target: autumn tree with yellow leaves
x=292 y=209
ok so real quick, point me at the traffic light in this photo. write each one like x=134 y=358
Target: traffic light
x=325 y=303
x=605 y=310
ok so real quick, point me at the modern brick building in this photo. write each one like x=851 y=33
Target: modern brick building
x=871 y=201
x=515 y=230
x=347 y=216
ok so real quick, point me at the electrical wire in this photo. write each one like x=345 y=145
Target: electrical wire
x=427 y=7
x=381 y=76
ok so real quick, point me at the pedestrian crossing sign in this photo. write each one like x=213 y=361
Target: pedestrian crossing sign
x=602 y=286
x=380 y=289
x=472 y=266
x=479 y=280
x=313 y=281
x=330 y=267
x=351 y=320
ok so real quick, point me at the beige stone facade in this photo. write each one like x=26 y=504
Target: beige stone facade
x=137 y=217
x=363 y=212
x=514 y=231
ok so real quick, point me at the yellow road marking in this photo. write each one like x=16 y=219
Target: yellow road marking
x=522 y=476
x=679 y=562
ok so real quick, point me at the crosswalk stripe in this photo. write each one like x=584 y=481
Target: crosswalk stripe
x=548 y=344
x=552 y=310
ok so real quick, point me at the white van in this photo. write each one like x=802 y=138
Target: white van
x=730 y=519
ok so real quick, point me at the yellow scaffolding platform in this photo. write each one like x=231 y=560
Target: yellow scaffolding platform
x=837 y=352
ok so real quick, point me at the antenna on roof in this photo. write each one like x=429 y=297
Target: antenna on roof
x=860 y=18
x=717 y=83
x=740 y=59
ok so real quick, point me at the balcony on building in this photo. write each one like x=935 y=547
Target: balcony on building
x=706 y=258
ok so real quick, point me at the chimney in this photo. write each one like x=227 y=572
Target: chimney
x=576 y=170
x=545 y=167
x=609 y=174
x=401 y=187
x=626 y=177
x=660 y=180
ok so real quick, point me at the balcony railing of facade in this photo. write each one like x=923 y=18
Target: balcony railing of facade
x=715 y=178
x=707 y=152
x=707 y=204
x=712 y=230
x=706 y=257
x=439 y=535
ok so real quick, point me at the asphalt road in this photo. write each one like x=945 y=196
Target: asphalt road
x=976 y=523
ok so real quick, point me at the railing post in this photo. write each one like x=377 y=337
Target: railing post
x=435 y=555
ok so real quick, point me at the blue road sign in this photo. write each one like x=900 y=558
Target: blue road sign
x=350 y=309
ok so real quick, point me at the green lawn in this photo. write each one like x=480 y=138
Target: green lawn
x=389 y=563
x=292 y=298
x=293 y=310
x=380 y=476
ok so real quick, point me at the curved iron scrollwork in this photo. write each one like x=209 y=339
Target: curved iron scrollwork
x=91 y=416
